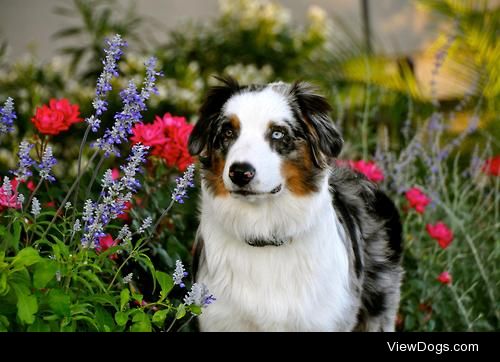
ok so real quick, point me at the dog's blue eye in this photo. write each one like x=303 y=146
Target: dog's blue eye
x=277 y=135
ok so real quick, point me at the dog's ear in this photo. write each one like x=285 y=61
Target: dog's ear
x=313 y=110
x=209 y=113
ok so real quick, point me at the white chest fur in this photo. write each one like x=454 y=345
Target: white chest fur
x=300 y=286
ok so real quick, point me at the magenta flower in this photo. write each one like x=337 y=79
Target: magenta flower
x=417 y=199
x=440 y=232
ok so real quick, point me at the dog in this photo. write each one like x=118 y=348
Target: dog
x=287 y=240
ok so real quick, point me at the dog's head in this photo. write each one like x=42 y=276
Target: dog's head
x=256 y=142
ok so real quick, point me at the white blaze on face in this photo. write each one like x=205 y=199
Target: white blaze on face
x=255 y=110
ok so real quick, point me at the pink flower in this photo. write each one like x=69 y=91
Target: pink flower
x=441 y=233
x=417 y=199
x=115 y=174
x=9 y=199
x=445 y=278
x=31 y=185
x=492 y=166
x=367 y=168
x=106 y=242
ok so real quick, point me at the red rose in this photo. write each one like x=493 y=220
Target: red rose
x=106 y=242
x=492 y=166
x=149 y=135
x=175 y=150
x=70 y=111
x=441 y=233
x=9 y=200
x=168 y=136
x=417 y=199
x=57 y=117
x=445 y=278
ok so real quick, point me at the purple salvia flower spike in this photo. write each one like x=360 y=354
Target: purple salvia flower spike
x=113 y=54
x=7 y=116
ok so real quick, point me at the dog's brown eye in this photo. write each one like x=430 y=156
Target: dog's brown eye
x=228 y=133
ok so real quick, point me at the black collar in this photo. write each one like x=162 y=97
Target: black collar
x=273 y=241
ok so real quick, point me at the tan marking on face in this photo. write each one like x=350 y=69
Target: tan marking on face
x=299 y=172
x=235 y=122
x=213 y=176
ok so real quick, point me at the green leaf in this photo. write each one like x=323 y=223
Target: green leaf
x=60 y=302
x=181 y=311
x=137 y=297
x=39 y=326
x=26 y=257
x=80 y=308
x=124 y=298
x=121 y=318
x=14 y=241
x=60 y=250
x=91 y=322
x=104 y=319
x=195 y=309
x=51 y=318
x=147 y=261
x=4 y=324
x=4 y=287
x=103 y=299
x=11 y=239
x=69 y=326
x=141 y=323
x=27 y=305
x=91 y=277
x=78 y=279
x=166 y=283
x=160 y=316
x=44 y=273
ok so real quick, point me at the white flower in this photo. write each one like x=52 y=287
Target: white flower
x=145 y=225
x=199 y=295
x=35 y=207
x=127 y=279
x=179 y=274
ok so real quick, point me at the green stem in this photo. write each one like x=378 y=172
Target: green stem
x=80 y=154
x=122 y=265
x=470 y=242
x=171 y=324
x=461 y=307
x=163 y=214
x=186 y=323
x=94 y=176
x=68 y=194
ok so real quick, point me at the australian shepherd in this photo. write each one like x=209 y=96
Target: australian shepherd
x=288 y=240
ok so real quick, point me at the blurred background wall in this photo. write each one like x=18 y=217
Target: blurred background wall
x=397 y=26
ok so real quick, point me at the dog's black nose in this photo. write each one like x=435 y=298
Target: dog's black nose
x=241 y=173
